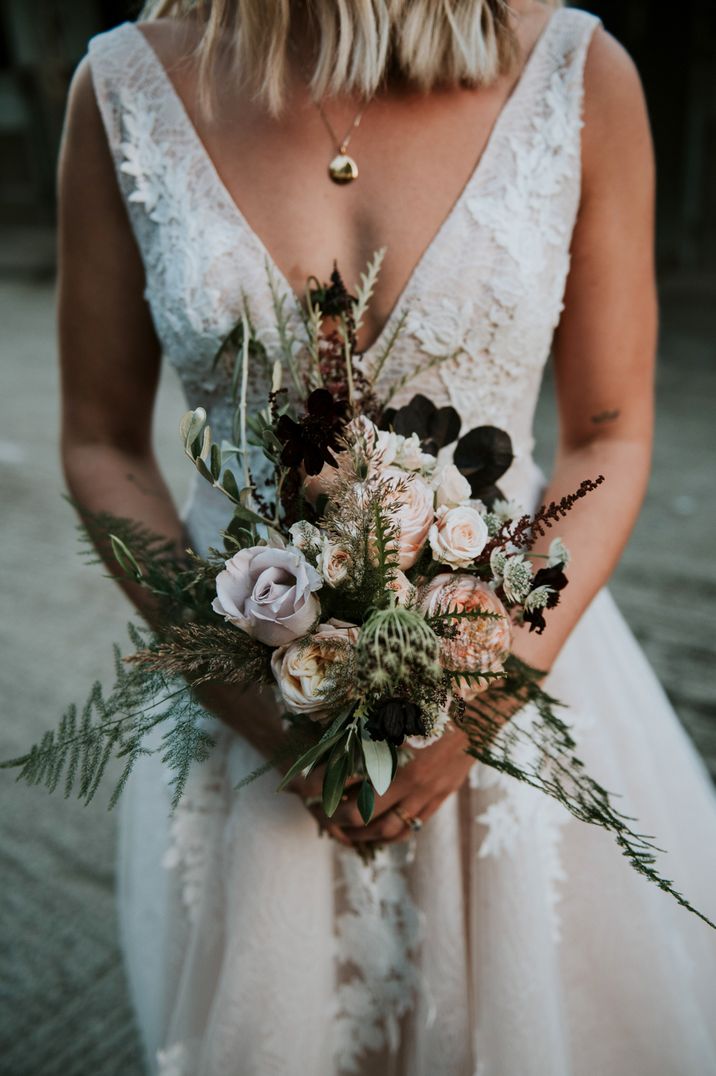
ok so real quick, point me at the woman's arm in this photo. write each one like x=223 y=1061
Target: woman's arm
x=604 y=354
x=110 y=363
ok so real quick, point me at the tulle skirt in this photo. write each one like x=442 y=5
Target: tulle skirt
x=505 y=939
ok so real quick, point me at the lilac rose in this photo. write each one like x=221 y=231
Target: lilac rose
x=268 y=592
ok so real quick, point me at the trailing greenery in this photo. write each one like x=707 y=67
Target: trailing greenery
x=116 y=726
x=537 y=748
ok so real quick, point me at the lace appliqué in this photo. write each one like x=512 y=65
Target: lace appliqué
x=377 y=939
x=520 y=811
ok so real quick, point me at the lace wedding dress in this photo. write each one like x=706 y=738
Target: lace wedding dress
x=506 y=939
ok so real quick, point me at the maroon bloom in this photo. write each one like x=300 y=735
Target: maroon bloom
x=313 y=440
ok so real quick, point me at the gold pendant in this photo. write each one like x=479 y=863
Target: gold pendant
x=343 y=169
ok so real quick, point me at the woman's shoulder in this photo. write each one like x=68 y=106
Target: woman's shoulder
x=616 y=122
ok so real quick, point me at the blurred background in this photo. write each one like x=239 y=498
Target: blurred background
x=64 y=1004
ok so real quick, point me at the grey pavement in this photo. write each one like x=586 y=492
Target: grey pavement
x=64 y=1003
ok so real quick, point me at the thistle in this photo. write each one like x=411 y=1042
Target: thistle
x=395 y=645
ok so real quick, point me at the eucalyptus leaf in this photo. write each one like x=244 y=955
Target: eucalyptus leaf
x=215 y=462
x=203 y=470
x=335 y=777
x=308 y=758
x=206 y=443
x=378 y=763
x=229 y=485
x=124 y=557
x=366 y=801
x=192 y=424
x=248 y=516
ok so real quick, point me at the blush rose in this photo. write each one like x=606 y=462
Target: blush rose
x=457 y=536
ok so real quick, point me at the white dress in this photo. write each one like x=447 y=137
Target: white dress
x=507 y=939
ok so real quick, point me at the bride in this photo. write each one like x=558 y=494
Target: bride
x=501 y=152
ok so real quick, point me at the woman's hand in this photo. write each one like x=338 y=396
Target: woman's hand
x=256 y=715
x=418 y=789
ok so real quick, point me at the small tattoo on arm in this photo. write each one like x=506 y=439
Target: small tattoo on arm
x=605 y=416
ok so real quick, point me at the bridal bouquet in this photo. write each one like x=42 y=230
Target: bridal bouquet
x=373 y=584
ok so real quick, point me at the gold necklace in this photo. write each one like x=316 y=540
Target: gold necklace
x=342 y=169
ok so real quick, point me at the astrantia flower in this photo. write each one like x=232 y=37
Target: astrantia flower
x=313 y=440
x=506 y=511
x=516 y=578
x=538 y=598
x=498 y=559
x=393 y=719
x=558 y=554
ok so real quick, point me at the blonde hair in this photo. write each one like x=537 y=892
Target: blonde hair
x=429 y=42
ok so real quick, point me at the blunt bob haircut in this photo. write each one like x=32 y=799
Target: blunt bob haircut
x=428 y=42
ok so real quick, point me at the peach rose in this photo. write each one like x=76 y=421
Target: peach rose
x=302 y=669
x=478 y=645
x=412 y=509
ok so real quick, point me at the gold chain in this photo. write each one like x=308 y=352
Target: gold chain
x=342 y=146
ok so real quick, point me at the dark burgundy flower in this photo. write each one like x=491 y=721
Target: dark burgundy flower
x=551 y=577
x=393 y=719
x=333 y=299
x=546 y=577
x=482 y=456
x=313 y=440
x=435 y=426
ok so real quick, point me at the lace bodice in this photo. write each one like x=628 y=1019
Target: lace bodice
x=488 y=288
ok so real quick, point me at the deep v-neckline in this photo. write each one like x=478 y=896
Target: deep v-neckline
x=519 y=89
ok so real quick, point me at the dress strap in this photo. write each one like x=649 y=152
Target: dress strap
x=567 y=54
x=118 y=76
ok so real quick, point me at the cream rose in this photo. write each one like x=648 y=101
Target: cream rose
x=410 y=456
x=451 y=487
x=412 y=509
x=457 y=536
x=332 y=562
x=479 y=644
x=303 y=669
x=268 y=592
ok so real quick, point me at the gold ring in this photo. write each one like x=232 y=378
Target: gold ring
x=412 y=823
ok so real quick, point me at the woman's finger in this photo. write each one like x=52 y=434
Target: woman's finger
x=393 y=827
x=325 y=825
x=390 y=825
